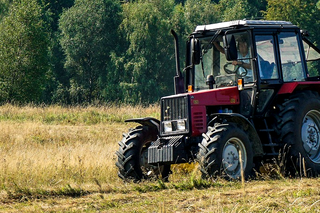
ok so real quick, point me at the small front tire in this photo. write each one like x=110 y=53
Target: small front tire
x=133 y=156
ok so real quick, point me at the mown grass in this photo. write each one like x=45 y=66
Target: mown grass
x=62 y=159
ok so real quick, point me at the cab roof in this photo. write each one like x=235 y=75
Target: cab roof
x=244 y=23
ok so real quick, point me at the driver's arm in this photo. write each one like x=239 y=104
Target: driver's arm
x=219 y=48
x=241 y=63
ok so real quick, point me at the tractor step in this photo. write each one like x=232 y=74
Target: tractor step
x=272 y=154
x=266 y=130
x=270 y=144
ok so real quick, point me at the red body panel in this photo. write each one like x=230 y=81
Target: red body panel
x=198 y=120
x=288 y=88
x=200 y=100
x=217 y=97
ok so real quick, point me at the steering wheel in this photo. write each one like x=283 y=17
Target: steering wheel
x=240 y=70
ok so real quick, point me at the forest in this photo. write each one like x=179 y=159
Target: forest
x=79 y=52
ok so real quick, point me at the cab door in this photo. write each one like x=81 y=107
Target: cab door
x=267 y=68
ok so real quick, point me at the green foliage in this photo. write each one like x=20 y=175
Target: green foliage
x=149 y=59
x=23 y=52
x=240 y=9
x=313 y=68
x=88 y=35
x=199 y=13
x=4 y=7
x=234 y=9
x=303 y=13
x=57 y=76
x=86 y=51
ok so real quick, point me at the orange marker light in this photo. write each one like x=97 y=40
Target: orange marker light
x=190 y=88
x=240 y=84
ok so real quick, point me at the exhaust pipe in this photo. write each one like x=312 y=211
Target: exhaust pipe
x=178 y=79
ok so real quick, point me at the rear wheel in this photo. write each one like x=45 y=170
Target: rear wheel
x=133 y=156
x=298 y=127
x=222 y=151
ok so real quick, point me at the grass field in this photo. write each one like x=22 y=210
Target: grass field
x=55 y=159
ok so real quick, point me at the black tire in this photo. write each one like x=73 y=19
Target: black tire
x=298 y=129
x=219 y=152
x=133 y=156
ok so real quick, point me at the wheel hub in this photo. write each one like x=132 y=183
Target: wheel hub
x=230 y=157
x=310 y=135
x=313 y=138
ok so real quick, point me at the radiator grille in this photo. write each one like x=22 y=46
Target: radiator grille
x=174 y=108
x=175 y=113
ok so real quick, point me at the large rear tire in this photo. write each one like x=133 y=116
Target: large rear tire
x=219 y=152
x=298 y=128
x=133 y=156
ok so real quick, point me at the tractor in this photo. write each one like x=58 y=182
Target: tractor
x=249 y=91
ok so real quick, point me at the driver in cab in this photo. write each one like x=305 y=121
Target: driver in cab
x=243 y=61
x=244 y=57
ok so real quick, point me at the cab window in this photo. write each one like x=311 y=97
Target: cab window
x=312 y=58
x=290 y=57
x=213 y=62
x=266 y=58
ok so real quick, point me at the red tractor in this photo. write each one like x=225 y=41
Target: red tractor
x=249 y=90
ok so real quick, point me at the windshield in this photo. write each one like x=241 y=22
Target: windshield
x=214 y=63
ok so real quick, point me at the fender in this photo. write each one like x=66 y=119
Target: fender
x=148 y=121
x=243 y=123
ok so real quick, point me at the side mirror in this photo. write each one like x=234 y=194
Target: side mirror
x=230 y=47
x=281 y=41
x=195 y=51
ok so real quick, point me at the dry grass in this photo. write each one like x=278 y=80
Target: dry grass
x=34 y=153
x=62 y=159
x=46 y=146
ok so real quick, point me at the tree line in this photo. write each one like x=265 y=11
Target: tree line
x=101 y=51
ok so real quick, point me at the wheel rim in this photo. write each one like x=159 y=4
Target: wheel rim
x=310 y=135
x=231 y=157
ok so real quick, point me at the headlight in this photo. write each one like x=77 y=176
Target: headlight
x=167 y=126
x=181 y=125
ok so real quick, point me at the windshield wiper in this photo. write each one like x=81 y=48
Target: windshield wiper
x=209 y=45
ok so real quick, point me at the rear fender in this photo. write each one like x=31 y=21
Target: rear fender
x=243 y=123
x=148 y=121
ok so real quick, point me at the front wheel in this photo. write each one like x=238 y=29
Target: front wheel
x=133 y=156
x=225 y=150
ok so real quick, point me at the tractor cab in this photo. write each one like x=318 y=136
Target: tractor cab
x=257 y=56
x=219 y=66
